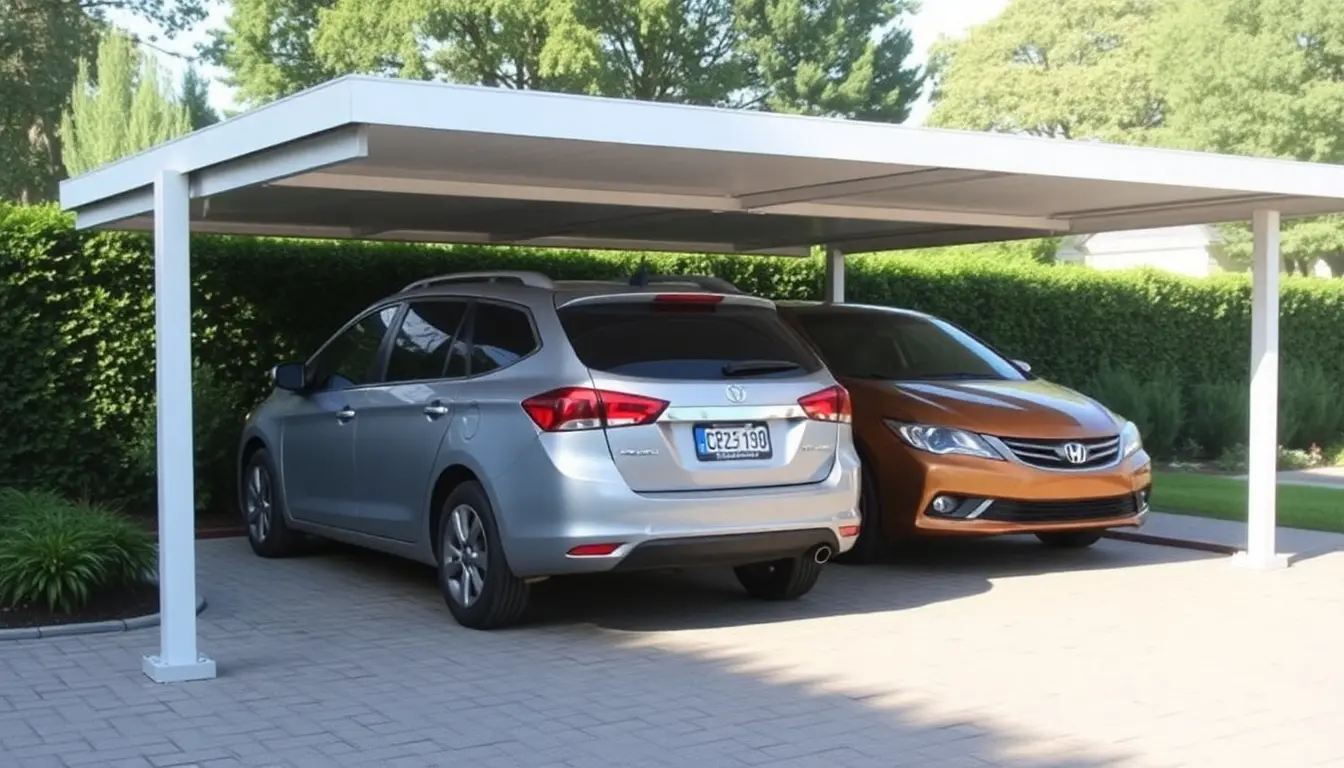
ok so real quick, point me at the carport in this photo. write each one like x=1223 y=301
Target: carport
x=400 y=160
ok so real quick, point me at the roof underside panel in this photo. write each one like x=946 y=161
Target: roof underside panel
x=422 y=162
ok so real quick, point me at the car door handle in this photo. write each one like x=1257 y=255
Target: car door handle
x=436 y=409
x=345 y=414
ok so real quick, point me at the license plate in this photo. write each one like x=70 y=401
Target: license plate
x=732 y=442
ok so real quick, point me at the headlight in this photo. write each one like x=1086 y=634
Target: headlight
x=1130 y=441
x=944 y=441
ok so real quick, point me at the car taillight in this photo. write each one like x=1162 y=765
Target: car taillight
x=830 y=404
x=686 y=302
x=574 y=408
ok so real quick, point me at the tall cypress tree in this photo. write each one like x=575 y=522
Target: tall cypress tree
x=126 y=110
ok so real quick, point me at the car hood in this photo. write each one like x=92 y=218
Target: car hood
x=1034 y=408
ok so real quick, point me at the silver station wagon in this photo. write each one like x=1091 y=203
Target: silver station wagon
x=506 y=428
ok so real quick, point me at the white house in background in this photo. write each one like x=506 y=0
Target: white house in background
x=1196 y=251
x=1193 y=250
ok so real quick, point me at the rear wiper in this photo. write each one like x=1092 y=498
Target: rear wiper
x=755 y=367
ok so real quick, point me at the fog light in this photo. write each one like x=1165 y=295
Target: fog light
x=944 y=505
x=849 y=531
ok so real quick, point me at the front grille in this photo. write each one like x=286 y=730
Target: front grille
x=1007 y=511
x=1053 y=454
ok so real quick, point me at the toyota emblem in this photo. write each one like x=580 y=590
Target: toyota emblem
x=1075 y=453
x=736 y=394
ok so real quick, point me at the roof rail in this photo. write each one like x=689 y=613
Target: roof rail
x=518 y=276
x=705 y=282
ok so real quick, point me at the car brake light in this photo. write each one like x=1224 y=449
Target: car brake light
x=576 y=408
x=830 y=404
x=686 y=302
x=688 y=298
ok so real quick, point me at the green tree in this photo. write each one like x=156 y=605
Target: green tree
x=1070 y=69
x=126 y=110
x=196 y=99
x=841 y=57
x=1264 y=78
x=41 y=42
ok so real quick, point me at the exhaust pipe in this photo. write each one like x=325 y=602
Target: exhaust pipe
x=821 y=554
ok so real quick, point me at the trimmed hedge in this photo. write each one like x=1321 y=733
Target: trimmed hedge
x=78 y=352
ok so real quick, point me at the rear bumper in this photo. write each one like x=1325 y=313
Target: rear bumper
x=733 y=549
x=549 y=503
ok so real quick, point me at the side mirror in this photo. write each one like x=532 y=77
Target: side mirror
x=1023 y=365
x=288 y=376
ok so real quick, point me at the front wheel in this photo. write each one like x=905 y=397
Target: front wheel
x=1069 y=539
x=479 y=587
x=787 y=579
x=264 y=510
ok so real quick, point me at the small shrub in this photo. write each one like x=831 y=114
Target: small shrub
x=58 y=554
x=217 y=412
x=1236 y=459
x=1311 y=406
x=1219 y=415
x=1151 y=402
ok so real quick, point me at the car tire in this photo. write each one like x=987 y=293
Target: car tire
x=478 y=585
x=263 y=509
x=787 y=579
x=872 y=545
x=1069 y=539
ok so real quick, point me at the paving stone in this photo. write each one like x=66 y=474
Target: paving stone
x=966 y=654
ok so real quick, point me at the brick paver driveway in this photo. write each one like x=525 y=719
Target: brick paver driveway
x=976 y=654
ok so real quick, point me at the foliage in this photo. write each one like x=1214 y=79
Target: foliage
x=216 y=430
x=196 y=99
x=125 y=111
x=835 y=57
x=1219 y=414
x=78 y=308
x=40 y=45
x=1152 y=402
x=1254 y=77
x=1057 y=68
x=1310 y=407
x=59 y=554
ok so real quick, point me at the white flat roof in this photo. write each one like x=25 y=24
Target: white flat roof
x=377 y=158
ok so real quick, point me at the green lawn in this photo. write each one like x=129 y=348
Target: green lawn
x=1189 y=493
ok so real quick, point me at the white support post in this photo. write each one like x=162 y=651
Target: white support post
x=178 y=659
x=1264 y=439
x=833 y=291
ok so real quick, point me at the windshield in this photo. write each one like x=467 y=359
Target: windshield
x=899 y=347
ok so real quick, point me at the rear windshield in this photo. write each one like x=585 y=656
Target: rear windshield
x=697 y=342
x=890 y=345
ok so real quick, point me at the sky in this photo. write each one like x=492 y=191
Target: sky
x=939 y=17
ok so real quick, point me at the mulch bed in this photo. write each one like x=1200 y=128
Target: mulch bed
x=125 y=603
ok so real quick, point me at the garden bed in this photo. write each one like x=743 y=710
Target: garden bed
x=127 y=602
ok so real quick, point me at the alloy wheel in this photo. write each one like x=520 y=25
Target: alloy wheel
x=258 y=502
x=465 y=556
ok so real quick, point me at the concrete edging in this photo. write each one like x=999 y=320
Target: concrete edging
x=89 y=627
x=1165 y=541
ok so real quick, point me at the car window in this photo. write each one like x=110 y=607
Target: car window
x=351 y=359
x=641 y=338
x=899 y=347
x=425 y=346
x=500 y=336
